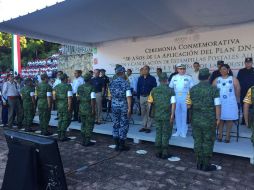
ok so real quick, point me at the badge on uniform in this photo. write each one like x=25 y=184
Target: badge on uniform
x=179 y=93
x=224 y=84
x=225 y=96
x=186 y=79
x=230 y=81
x=230 y=90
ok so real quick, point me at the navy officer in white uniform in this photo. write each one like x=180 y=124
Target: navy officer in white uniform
x=181 y=83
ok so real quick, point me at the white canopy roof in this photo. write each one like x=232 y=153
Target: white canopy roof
x=87 y=22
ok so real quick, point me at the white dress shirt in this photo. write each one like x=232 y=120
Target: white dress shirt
x=76 y=83
x=9 y=89
x=133 y=82
x=57 y=81
x=195 y=77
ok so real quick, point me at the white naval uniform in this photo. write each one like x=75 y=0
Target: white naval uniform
x=181 y=84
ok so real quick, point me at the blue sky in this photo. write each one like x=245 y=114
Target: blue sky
x=15 y=8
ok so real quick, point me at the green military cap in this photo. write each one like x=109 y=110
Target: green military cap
x=28 y=80
x=63 y=76
x=204 y=72
x=163 y=76
x=44 y=76
x=87 y=76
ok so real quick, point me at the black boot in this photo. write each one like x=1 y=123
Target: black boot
x=86 y=141
x=116 y=144
x=63 y=136
x=28 y=129
x=199 y=166
x=209 y=168
x=122 y=146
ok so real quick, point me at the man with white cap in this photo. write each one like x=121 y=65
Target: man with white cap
x=181 y=84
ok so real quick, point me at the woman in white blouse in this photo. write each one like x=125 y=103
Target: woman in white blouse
x=230 y=97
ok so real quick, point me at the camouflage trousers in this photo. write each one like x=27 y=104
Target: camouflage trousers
x=28 y=117
x=163 y=134
x=44 y=117
x=87 y=125
x=251 y=126
x=64 y=120
x=120 y=123
x=204 y=134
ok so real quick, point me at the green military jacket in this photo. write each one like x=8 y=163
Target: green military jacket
x=41 y=92
x=61 y=93
x=84 y=93
x=160 y=98
x=26 y=93
x=202 y=97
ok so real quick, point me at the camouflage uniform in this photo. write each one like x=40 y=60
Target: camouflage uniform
x=249 y=99
x=202 y=97
x=85 y=94
x=28 y=106
x=43 y=91
x=61 y=93
x=119 y=88
x=161 y=98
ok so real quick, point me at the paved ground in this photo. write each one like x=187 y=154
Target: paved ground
x=106 y=169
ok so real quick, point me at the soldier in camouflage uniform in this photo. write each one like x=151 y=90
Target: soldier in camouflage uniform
x=44 y=103
x=249 y=111
x=120 y=94
x=62 y=94
x=162 y=100
x=87 y=97
x=204 y=101
x=27 y=95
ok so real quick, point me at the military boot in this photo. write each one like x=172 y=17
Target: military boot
x=207 y=166
x=45 y=132
x=158 y=151
x=165 y=154
x=122 y=146
x=116 y=144
x=86 y=141
x=199 y=163
x=28 y=129
x=63 y=136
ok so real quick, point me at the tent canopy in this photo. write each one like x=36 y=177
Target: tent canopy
x=88 y=22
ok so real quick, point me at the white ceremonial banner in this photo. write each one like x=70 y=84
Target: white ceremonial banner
x=204 y=45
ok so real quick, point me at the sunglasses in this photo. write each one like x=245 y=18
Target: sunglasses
x=182 y=68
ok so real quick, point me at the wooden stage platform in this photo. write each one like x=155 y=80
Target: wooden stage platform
x=242 y=148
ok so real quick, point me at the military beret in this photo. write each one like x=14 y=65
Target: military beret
x=248 y=59
x=163 y=76
x=87 y=76
x=204 y=72
x=120 y=69
x=180 y=65
x=63 y=76
x=220 y=62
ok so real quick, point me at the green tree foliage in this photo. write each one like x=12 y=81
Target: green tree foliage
x=31 y=49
